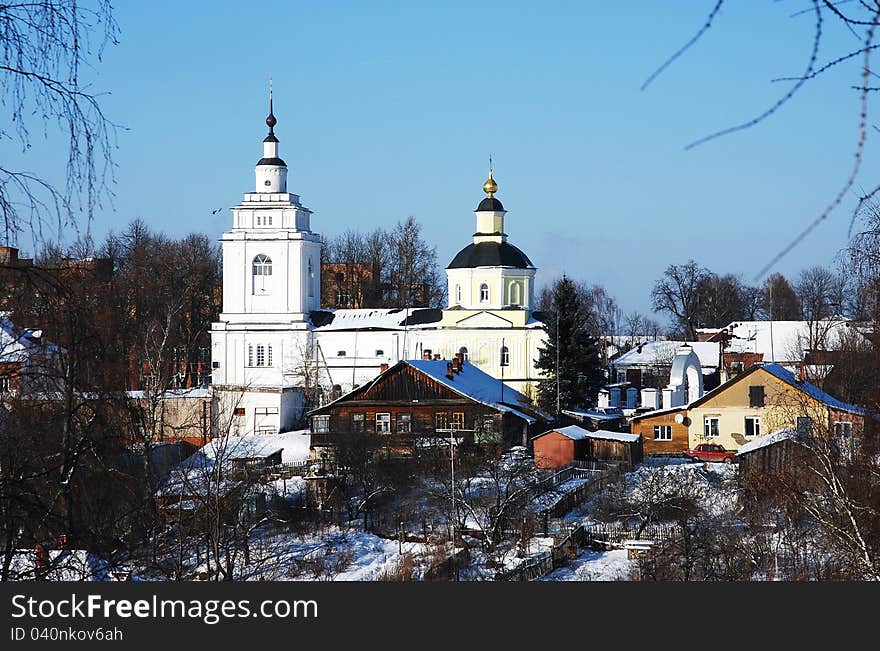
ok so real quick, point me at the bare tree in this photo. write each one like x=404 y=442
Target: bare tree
x=678 y=294
x=45 y=47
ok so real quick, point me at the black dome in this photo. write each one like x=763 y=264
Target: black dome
x=490 y=254
x=490 y=203
x=272 y=161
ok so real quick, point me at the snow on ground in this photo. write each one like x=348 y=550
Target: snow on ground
x=594 y=566
x=334 y=555
x=549 y=498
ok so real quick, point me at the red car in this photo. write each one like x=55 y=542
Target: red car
x=711 y=452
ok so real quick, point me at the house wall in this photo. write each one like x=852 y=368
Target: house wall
x=645 y=427
x=782 y=405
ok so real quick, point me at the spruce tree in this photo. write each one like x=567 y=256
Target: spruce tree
x=566 y=322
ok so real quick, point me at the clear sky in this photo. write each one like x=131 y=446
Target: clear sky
x=390 y=109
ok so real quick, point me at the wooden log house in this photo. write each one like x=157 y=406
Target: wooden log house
x=424 y=403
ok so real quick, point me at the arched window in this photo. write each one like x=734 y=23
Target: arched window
x=515 y=294
x=262 y=272
x=505 y=356
x=458 y=294
x=484 y=293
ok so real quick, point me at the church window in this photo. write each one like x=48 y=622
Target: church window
x=514 y=294
x=262 y=270
x=261 y=355
x=484 y=293
x=250 y=355
x=269 y=355
x=458 y=294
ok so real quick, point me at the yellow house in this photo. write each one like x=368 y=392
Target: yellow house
x=765 y=399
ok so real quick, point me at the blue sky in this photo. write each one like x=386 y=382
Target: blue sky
x=390 y=109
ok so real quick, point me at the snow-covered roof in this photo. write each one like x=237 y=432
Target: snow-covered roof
x=194 y=471
x=613 y=436
x=475 y=384
x=376 y=319
x=595 y=415
x=812 y=390
x=576 y=433
x=790 y=339
x=175 y=393
x=573 y=432
x=770 y=439
x=17 y=343
x=661 y=353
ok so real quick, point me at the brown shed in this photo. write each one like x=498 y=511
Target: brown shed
x=559 y=447
x=562 y=446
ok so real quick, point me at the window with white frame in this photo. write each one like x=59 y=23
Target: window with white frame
x=383 y=422
x=269 y=355
x=753 y=426
x=484 y=293
x=262 y=273
x=457 y=421
x=320 y=424
x=4 y=384
x=711 y=426
x=266 y=411
x=662 y=432
x=311 y=277
x=404 y=423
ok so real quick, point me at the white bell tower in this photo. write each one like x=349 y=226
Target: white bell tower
x=271 y=284
x=271 y=258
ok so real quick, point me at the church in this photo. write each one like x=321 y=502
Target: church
x=275 y=352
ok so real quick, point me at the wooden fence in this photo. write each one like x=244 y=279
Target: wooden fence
x=614 y=533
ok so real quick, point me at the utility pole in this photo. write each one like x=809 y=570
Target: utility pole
x=557 y=358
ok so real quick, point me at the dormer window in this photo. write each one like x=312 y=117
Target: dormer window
x=484 y=293
x=262 y=273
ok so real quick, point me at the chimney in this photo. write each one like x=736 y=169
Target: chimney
x=426 y=356
x=383 y=368
x=449 y=370
x=436 y=355
x=456 y=365
x=802 y=373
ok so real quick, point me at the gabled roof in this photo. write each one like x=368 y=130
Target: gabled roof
x=660 y=353
x=470 y=383
x=777 y=371
x=812 y=390
x=783 y=374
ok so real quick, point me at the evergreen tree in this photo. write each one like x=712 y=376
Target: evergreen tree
x=569 y=345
